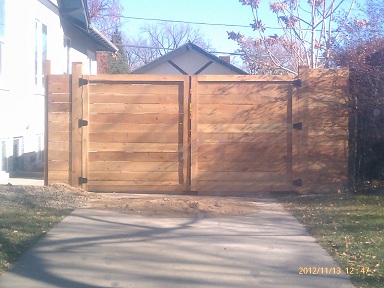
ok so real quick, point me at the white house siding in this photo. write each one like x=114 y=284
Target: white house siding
x=21 y=100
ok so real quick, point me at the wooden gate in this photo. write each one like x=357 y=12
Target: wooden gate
x=242 y=127
x=206 y=133
x=137 y=139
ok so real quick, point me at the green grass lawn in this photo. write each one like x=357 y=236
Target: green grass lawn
x=350 y=228
x=21 y=225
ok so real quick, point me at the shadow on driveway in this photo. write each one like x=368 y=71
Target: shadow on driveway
x=93 y=248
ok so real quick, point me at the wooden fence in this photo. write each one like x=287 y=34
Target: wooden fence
x=208 y=134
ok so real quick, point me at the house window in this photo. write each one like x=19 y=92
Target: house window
x=41 y=33
x=2 y=33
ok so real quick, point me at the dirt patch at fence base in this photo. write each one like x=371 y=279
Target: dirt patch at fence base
x=159 y=205
x=173 y=205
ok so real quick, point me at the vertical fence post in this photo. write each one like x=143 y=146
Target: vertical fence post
x=85 y=133
x=300 y=136
x=186 y=134
x=76 y=132
x=47 y=72
x=194 y=141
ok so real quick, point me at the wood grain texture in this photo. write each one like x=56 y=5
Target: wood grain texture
x=137 y=136
x=133 y=176
x=121 y=119
x=155 y=189
x=223 y=134
x=242 y=134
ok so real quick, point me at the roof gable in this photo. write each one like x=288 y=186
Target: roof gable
x=190 y=50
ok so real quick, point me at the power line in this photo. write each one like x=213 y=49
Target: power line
x=186 y=22
x=195 y=23
x=206 y=23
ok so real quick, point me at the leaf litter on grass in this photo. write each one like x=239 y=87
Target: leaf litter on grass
x=350 y=228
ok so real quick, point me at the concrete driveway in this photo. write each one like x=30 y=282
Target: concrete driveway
x=93 y=248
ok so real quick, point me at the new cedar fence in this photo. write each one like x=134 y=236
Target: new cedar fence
x=221 y=134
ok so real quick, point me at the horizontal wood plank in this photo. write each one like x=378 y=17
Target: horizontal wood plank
x=60 y=79
x=133 y=176
x=59 y=97
x=236 y=149
x=62 y=175
x=255 y=177
x=59 y=107
x=120 y=119
x=177 y=189
x=247 y=91
x=58 y=165
x=250 y=137
x=134 y=99
x=249 y=166
x=327 y=178
x=58 y=85
x=134 y=79
x=133 y=183
x=55 y=155
x=135 y=89
x=243 y=118
x=135 y=137
x=328 y=151
x=243 y=110
x=242 y=128
x=143 y=128
x=58 y=126
x=244 y=78
x=134 y=157
x=134 y=147
x=134 y=166
x=58 y=146
x=238 y=188
x=137 y=108
x=59 y=136
x=58 y=117
x=218 y=156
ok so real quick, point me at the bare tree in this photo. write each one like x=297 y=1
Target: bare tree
x=307 y=31
x=105 y=15
x=159 y=39
x=362 y=51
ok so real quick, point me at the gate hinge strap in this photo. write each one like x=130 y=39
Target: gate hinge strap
x=83 y=180
x=83 y=81
x=298 y=126
x=297 y=83
x=297 y=182
x=83 y=123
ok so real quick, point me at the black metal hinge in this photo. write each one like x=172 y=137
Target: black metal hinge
x=83 y=123
x=83 y=180
x=297 y=83
x=298 y=126
x=297 y=182
x=83 y=81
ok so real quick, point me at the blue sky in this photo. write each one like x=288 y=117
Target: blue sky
x=208 y=11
